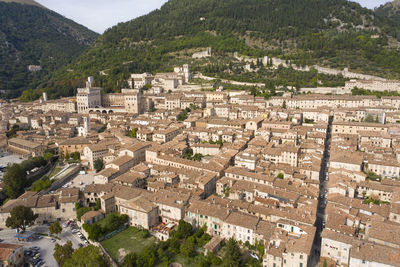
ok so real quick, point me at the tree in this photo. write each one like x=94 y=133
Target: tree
x=260 y=248
x=98 y=204
x=132 y=133
x=76 y=155
x=80 y=210
x=253 y=91
x=21 y=217
x=55 y=228
x=62 y=253
x=369 y=118
x=232 y=255
x=284 y=104
x=184 y=230
x=98 y=165
x=173 y=245
x=94 y=231
x=148 y=256
x=188 y=154
x=197 y=157
x=102 y=129
x=227 y=189
x=188 y=248
x=41 y=184
x=130 y=260
x=86 y=257
x=183 y=115
x=14 y=181
x=48 y=156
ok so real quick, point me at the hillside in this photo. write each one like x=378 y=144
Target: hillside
x=27 y=2
x=335 y=33
x=32 y=35
x=390 y=10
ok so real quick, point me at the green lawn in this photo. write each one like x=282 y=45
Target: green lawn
x=129 y=240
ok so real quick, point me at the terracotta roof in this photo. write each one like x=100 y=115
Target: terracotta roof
x=6 y=250
x=90 y=214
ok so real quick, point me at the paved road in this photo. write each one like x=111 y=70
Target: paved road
x=323 y=178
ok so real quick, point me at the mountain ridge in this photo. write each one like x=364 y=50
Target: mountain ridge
x=333 y=33
x=33 y=35
x=27 y=2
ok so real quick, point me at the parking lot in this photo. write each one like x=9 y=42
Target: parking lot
x=6 y=159
x=81 y=180
x=9 y=159
x=45 y=244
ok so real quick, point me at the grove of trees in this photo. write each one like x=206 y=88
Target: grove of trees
x=15 y=178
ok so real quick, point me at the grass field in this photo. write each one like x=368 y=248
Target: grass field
x=55 y=171
x=129 y=240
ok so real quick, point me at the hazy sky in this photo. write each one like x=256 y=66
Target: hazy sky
x=99 y=15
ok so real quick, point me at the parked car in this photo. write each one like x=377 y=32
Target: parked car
x=253 y=255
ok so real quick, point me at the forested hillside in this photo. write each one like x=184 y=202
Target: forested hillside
x=33 y=35
x=335 y=33
x=391 y=10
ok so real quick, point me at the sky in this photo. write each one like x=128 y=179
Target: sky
x=99 y=15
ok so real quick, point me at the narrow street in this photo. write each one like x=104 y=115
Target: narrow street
x=323 y=178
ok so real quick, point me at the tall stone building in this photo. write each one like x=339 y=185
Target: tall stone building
x=89 y=97
x=133 y=101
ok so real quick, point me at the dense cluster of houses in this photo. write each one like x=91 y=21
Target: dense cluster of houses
x=258 y=177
